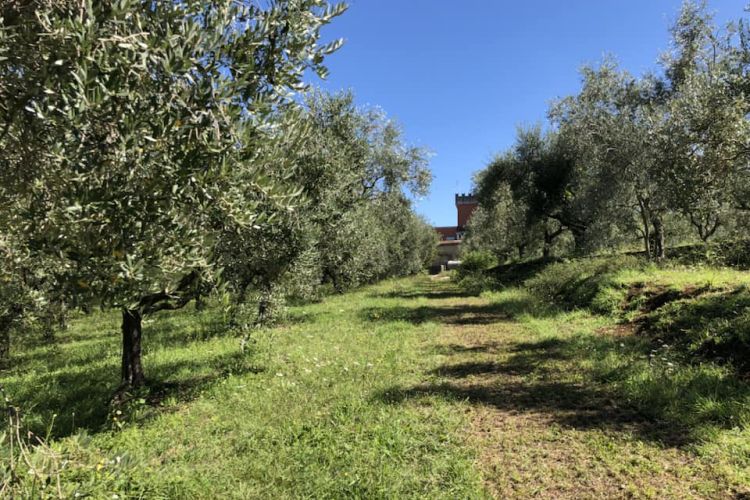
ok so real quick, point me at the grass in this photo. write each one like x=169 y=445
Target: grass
x=299 y=416
x=410 y=388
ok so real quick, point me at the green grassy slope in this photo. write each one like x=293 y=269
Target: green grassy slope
x=299 y=416
x=562 y=384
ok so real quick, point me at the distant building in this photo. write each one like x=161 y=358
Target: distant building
x=451 y=236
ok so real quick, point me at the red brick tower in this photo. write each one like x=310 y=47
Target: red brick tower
x=465 y=204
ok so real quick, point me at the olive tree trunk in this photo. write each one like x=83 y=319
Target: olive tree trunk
x=658 y=247
x=4 y=346
x=132 y=331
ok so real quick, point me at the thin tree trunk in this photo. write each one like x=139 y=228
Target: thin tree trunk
x=644 y=212
x=263 y=306
x=659 y=245
x=238 y=303
x=132 y=369
x=62 y=318
x=521 y=251
x=4 y=345
x=48 y=331
x=54 y=319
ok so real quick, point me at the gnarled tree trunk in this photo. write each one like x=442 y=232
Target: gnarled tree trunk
x=705 y=226
x=132 y=331
x=549 y=239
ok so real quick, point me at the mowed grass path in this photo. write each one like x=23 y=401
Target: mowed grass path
x=405 y=389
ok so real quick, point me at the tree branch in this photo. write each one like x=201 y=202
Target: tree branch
x=165 y=301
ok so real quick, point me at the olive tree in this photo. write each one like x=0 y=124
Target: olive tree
x=704 y=139
x=610 y=124
x=130 y=134
x=628 y=155
x=702 y=134
x=351 y=222
x=546 y=184
x=357 y=174
x=502 y=225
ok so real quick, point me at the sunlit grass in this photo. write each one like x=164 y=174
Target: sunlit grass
x=411 y=388
x=683 y=276
x=298 y=416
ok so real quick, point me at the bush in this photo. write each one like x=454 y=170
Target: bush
x=715 y=325
x=729 y=253
x=585 y=283
x=476 y=261
x=472 y=275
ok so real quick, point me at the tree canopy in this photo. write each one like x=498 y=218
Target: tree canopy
x=154 y=151
x=629 y=157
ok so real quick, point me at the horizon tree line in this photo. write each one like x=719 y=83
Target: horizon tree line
x=664 y=156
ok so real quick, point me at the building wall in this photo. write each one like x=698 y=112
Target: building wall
x=446 y=250
x=450 y=237
x=446 y=233
x=465 y=206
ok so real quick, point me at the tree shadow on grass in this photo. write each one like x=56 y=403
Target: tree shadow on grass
x=83 y=346
x=428 y=292
x=77 y=396
x=455 y=315
x=571 y=405
x=465 y=314
x=528 y=358
x=485 y=347
x=533 y=378
x=73 y=385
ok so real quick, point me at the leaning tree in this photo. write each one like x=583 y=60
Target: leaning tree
x=129 y=137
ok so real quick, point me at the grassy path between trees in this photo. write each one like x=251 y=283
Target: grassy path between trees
x=405 y=389
x=540 y=416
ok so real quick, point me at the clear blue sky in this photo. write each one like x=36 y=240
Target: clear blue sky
x=460 y=75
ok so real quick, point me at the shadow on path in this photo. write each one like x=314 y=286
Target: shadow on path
x=531 y=378
x=456 y=314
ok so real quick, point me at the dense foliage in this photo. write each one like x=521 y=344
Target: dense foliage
x=155 y=152
x=661 y=159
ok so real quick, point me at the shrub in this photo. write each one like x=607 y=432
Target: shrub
x=472 y=275
x=730 y=253
x=476 y=262
x=716 y=325
x=585 y=283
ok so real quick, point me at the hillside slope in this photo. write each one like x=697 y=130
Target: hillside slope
x=408 y=388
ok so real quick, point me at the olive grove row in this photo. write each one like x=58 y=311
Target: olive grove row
x=659 y=159
x=154 y=153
